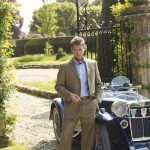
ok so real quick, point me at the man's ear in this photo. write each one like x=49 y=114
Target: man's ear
x=71 y=50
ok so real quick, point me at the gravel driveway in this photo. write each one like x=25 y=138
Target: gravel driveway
x=34 y=75
x=33 y=128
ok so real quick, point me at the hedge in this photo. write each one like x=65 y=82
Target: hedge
x=36 y=46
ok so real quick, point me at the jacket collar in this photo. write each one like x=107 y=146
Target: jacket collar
x=72 y=63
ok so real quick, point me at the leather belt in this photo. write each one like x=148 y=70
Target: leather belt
x=87 y=97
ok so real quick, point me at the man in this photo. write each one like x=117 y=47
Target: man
x=79 y=84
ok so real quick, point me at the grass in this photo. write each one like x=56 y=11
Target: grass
x=6 y=144
x=15 y=147
x=48 y=85
x=38 y=59
x=41 y=59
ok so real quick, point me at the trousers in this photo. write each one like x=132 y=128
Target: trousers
x=86 y=114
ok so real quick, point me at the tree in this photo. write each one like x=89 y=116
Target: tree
x=90 y=16
x=45 y=21
x=65 y=16
x=106 y=14
x=97 y=2
x=17 y=22
x=59 y=17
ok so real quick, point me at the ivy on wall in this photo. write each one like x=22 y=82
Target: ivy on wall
x=118 y=10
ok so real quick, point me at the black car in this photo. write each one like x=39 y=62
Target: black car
x=123 y=121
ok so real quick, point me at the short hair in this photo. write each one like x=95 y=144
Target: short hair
x=77 y=40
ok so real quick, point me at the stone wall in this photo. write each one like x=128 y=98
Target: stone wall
x=139 y=16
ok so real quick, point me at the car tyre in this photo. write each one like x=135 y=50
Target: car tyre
x=57 y=124
x=102 y=141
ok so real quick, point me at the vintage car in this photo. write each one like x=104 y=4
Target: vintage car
x=123 y=121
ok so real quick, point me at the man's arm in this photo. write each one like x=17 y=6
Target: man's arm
x=98 y=84
x=60 y=84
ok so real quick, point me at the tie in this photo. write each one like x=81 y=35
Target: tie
x=80 y=61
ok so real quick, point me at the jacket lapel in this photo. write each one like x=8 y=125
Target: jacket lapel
x=88 y=70
x=73 y=67
x=87 y=66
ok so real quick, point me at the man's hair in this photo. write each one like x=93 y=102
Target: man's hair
x=77 y=41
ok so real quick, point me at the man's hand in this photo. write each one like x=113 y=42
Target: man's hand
x=75 y=98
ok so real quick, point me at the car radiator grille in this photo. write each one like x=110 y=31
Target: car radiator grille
x=139 y=120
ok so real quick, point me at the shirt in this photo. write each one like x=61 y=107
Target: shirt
x=82 y=72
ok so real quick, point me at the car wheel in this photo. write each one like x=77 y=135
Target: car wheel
x=56 y=124
x=58 y=128
x=102 y=141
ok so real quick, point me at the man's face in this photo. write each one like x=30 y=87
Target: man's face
x=78 y=51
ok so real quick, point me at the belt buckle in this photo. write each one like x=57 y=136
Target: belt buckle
x=87 y=97
x=83 y=98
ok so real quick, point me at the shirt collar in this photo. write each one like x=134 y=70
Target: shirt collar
x=79 y=61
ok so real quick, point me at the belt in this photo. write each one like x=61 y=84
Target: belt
x=87 y=97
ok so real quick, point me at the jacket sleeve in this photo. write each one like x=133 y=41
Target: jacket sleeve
x=98 y=84
x=60 y=84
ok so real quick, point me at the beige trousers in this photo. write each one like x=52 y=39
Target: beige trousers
x=86 y=114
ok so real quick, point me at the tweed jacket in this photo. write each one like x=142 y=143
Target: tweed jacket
x=68 y=80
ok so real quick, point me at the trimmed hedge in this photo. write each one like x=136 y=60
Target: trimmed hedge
x=36 y=46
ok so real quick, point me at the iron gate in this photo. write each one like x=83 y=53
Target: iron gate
x=107 y=43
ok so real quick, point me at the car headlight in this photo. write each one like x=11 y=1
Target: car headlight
x=119 y=108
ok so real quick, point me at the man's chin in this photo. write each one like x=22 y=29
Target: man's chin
x=78 y=58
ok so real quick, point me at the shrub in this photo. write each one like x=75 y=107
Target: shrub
x=7 y=74
x=60 y=53
x=62 y=34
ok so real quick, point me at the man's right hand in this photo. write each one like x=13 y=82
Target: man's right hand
x=75 y=98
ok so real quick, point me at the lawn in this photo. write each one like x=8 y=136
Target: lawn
x=39 y=59
x=48 y=85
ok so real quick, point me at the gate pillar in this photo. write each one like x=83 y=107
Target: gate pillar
x=139 y=16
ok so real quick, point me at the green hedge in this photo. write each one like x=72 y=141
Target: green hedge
x=36 y=46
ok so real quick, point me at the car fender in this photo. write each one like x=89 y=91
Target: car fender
x=103 y=116
x=57 y=102
x=115 y=131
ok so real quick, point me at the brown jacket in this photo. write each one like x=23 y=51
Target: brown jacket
x=68 y=80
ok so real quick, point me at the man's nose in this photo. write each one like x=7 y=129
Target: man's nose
x=78 y=52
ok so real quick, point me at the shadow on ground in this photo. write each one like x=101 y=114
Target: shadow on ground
x=53 y=145
x=46 y=145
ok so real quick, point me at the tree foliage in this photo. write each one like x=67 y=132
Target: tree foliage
x=119 y=9
x=17 y=22
x=91 y=18
x=65 y=14
x=59 y=17
x=106 y=14
x=44 y=21
x=97 y=2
